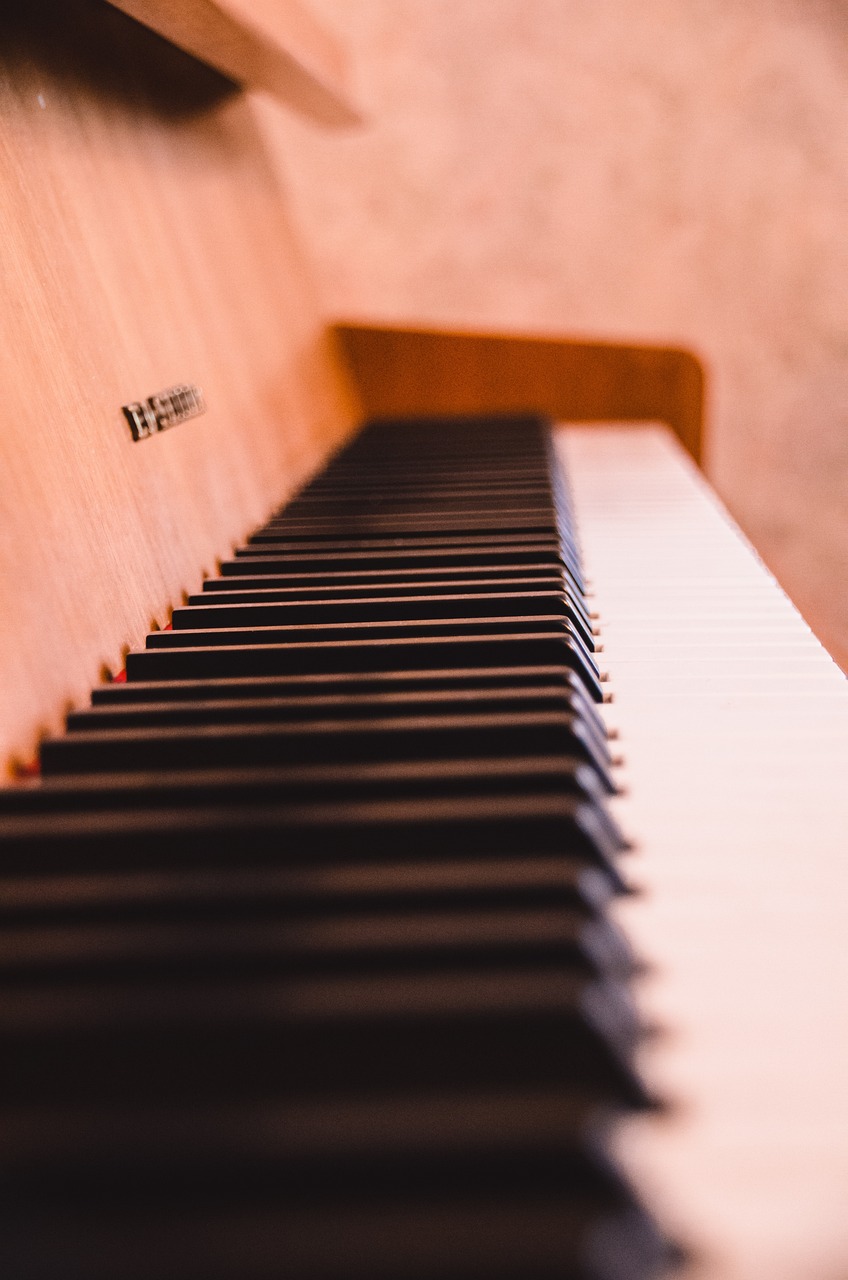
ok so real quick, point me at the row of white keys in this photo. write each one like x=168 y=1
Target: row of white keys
x=733 y=726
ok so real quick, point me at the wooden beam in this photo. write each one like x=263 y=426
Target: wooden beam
x=273 y=45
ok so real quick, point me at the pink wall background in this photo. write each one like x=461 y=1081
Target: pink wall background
x=672 y=171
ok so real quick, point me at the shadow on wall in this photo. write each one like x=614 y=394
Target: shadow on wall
x=115 y=58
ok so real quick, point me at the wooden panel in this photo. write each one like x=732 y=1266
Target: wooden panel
x=424 y=371
x=262 y=44
x=144 y=243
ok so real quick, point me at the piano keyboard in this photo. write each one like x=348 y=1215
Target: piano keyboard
x=310 y=965
x=733 y=724
x=318 y=957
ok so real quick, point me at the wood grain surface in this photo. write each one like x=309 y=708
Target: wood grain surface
x=144 y=242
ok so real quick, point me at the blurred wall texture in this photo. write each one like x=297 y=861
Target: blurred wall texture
x=670 y=170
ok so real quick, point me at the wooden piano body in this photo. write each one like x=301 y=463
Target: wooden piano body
x=146 y=244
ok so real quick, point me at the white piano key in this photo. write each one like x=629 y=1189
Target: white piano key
x=733 y=723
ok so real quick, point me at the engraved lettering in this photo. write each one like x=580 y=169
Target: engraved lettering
x=160 y=408
x=136 y=415
x=163 y=410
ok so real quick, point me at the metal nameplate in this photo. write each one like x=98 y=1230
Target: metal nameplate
x=165 y=409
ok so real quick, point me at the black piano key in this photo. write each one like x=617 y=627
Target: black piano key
x=434 y=504
x=233 y=593
x=332 y=832
x=328 y=632
x=488 y=556
x=482 y=1028
x=378 y=577
x=323 y=741
x=383 y=609
x=348 y=541
x=361 y=567
x=378 y=452
x=418 y=606
x=338 y=685
x=365 y=1154
x=261 y=590
x=550 y=698
x=518 y=479
x=585 y=767
x=128 y=715
x=375 y=489
x=411 y=528
x=488 y=1237
x=306 y=586
x=217 y=892
x=283 y=633
x=521 y=473
x=392 y=690
x=533 y=770
x=327 y=657
x=477 y=475
x=417 y=533
x=431 y=504
x=376 y=456
x=314 y=1149
x=249 y=944
x=255 y=702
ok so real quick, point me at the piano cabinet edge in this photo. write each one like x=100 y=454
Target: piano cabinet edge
x=405 y=369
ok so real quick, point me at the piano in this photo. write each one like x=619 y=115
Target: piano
x=451 y=883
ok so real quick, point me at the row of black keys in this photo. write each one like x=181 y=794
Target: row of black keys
x=306 y=964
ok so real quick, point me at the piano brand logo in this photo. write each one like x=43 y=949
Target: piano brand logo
x=165 y=409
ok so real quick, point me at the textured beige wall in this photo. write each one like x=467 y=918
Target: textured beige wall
x=670 y=170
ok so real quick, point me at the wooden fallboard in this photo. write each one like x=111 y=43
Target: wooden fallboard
x=145 y=244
